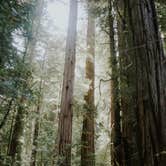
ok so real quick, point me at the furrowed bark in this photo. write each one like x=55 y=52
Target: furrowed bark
x=144 y=115
x=65 y=117
x=116 y=148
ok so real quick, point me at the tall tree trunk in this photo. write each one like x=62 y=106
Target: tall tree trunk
x=116 y=147
x=36 y=128
x=144 y=111
x=88 y=129
x=30 y=51
x=37 y=119
x=38 y=112
x=127 y=90
x=65 y=117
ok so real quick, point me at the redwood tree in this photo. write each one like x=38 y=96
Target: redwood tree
x=116 y=147
x=143 y=130
x=88 y=129
x=65 y=116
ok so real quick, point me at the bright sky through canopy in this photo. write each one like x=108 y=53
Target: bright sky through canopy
x=58 y=13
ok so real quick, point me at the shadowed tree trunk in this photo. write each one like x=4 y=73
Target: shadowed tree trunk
x=144 y=105
x=15 y=144
x=88 y=131
x=116 y=147
x=65 y=117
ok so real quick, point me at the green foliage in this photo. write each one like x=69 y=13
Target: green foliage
x=15 y=71
x=19 y=81
x=161 y=11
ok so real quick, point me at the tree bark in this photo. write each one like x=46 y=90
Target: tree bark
x=116 y=148
x=65 y=117
x=144 y=114
x=88 y=129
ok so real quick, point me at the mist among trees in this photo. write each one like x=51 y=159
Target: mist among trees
x=82 y=83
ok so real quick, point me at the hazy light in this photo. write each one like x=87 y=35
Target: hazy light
x=58 y=13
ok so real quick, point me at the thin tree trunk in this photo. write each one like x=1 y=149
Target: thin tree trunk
x=11 y=131
x=6 y=114
x=88 y=129
x=36 y=134
x=37 y=120
x=65 y=117
x=15 y=145
x=30 y=52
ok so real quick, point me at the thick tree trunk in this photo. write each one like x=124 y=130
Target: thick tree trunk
x=144 y=113
x=116 y=148
x=65 y=117
x=88 y=129
x=130 y=153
